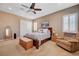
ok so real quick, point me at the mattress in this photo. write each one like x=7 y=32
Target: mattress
x=37 y=36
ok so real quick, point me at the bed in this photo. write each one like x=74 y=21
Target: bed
x=39 y=37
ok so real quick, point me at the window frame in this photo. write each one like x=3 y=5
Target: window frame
x=76 y=23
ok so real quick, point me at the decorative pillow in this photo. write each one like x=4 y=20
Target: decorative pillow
x=69 y=38
x=40 y=30
x=46 y=31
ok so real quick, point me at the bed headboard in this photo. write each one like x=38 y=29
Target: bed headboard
x=50 y=29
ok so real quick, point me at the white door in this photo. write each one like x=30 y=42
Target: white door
x=25 y=26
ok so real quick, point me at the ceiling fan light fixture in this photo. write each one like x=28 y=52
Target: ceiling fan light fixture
x=32 y=8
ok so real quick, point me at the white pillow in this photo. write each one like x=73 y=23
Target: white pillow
x=46 y=31
x=40 y=30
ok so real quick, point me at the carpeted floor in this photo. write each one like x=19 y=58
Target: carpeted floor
x=12 y=48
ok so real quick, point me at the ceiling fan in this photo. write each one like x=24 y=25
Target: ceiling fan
x=32 y=8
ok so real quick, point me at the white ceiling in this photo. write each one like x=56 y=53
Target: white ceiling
x=47 y=8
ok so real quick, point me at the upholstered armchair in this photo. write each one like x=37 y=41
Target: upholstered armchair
x=69 y=43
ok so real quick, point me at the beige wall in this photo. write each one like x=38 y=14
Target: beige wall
x=55 y=19
x=11 y=20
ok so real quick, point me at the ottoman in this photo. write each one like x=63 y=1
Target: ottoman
x=26 y=43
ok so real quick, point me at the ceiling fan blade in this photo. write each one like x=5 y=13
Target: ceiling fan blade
x=29 y=10
x=24 y=6
x=37 y=9
x=34 y=12
x=32 y=6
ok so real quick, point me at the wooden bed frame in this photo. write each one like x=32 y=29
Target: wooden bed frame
x=36 y=42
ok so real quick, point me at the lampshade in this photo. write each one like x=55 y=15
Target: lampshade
x=53 y=31
x=56 y=34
